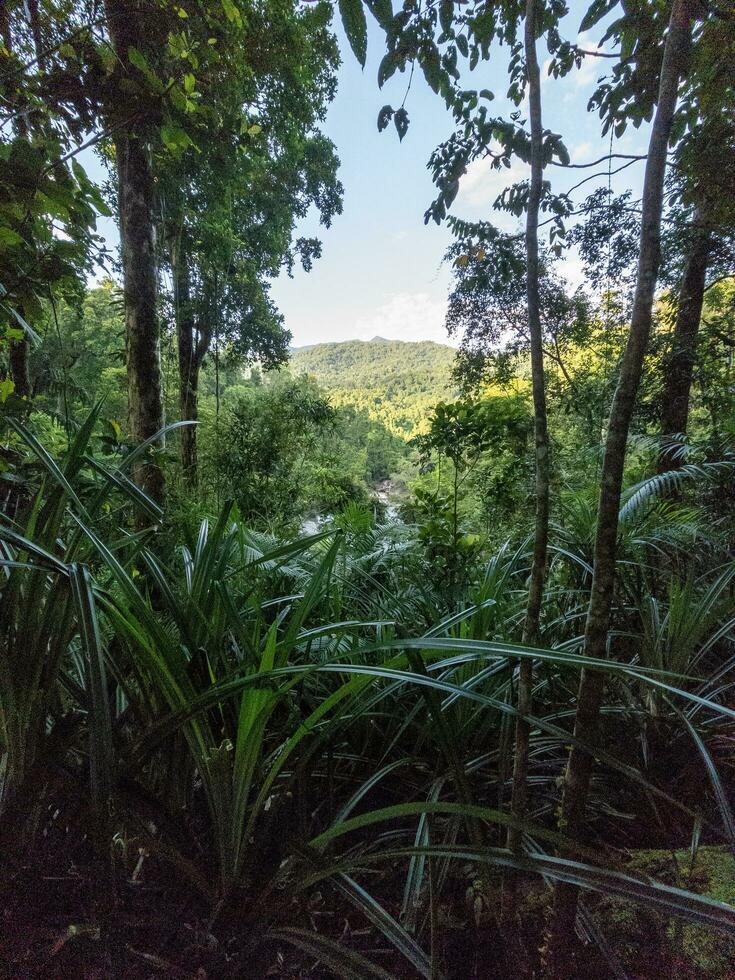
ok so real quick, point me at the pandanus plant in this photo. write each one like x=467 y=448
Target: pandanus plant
x=198 y=674
x=46 y=604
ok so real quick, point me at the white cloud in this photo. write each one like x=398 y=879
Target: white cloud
x=581 y=152
x=572 y=269
x=592 y=68
x=406 y=316
x=481 y=185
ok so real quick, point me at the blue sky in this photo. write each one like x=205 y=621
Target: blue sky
x=381 y=269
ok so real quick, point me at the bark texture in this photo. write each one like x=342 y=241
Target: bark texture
x=541 y=532
x=680 y=364
x=188 y=404
x=19 y=368
x=137 y=236
x=561 y=938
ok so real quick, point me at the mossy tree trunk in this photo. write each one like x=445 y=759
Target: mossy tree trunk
x=140 y=279
x=19 y=367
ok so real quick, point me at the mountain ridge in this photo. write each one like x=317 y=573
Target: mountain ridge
x=377 y=339
x=397 y=382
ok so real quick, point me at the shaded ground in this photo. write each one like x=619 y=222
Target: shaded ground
x=63 y=913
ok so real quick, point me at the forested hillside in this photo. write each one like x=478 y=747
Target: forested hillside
x=261 y=715
x=395 y=382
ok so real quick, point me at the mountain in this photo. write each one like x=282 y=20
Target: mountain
x=396 y=382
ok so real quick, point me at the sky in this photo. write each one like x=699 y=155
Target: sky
x=381 y=271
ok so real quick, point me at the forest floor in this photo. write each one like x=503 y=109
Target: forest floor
x=70 y=910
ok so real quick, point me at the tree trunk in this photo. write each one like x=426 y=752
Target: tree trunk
x=19 y=369
x=190 y=360
x=561 y=940
x=541 y=533
x=137 y=237
x=142 y=338
x=189 y=398
x=680 y=363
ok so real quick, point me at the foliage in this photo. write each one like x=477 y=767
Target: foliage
x=80 y=356
x=395 y=382
x=257 y=664
x=288 y=693
x=265 y=441
x=242 y=161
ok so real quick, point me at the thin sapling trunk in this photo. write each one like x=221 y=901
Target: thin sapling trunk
x=561 y=939
x=541 y=532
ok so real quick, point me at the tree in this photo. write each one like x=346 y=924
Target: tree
x=235 y=174
x=677 y=380
x=487 y=312
x=48 y=205
x=80 y=355
x=18 y=347
x=703 y=190
x=268 y=437
x=591 y=685
x=541 y=432
x=418 y=36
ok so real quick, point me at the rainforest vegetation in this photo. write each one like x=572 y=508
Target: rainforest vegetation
x=391 y=381
x=365 y=659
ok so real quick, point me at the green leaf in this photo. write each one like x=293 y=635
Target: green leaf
x=382 y=11
x=628 y=40
x=174 y=137
x=99 y=202
x=648 y=893
x=7 y=387
x=342 y=961
x=232 y=13
x=8 y=237
x=446 y=13
x=387 y=68
x=47 y=460
x=595 y=12
x=355 y=25
x=100 y=724
x=401 y=122
x=384 y=117
x=136 y=58
x=562 y=153
x=431 y=64
x=385 y=923
x=728 y=820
